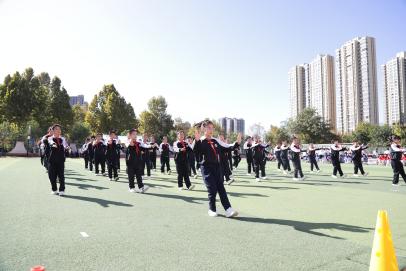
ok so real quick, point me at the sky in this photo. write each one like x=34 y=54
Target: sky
x=210 y=58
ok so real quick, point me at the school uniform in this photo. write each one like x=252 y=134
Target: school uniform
x=85 y=154
x=356 y=156
x=135 y=163
x=297 y=166
x=90 y=150
x=112 y=158
x=56 y=163
x=277 y=152
x=312 y=159
x=152 y=156
x=335 y=159
x=225 y=165
x=396 y=153
x=210 y=165
x=147 y=162
x=47 y=150
x=259 y=157
x=285 y=158
x=248 y=154
x=192 y=161
x=182 y=162
x=164 y=149
x=236 y=156
x=99 y=149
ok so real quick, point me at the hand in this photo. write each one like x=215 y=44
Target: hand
x=183 y=149
x=239 y=138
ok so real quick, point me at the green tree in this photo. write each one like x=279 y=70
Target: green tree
x=276 y=135
x=156 y=121
x=79 y=113
x=310 y=127
x=60 y=109
x=79 y=132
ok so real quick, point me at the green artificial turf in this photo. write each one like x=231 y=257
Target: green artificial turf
x=317 y=224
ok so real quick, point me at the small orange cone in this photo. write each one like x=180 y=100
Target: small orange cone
x=383 y=257
x=38 y=268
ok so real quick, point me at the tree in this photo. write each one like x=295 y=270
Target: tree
x=276 y=135
x=79 y=113
x=79 y=132
x=363 y=132
x=310 y=127
x=156 y=121
x=60 y=109
x=109 y=110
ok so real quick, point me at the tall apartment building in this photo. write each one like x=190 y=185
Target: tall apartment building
x=394 y=75
x=356 y=83
x=297 y=90
x=232 y=125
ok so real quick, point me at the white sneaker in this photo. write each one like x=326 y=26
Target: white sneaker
x=230 y=182
x=257 y=179
x=180 y=188
x=191 y=187
x=117 y=178
x=132 y=190
x=285 y=172
x=355 y=175
x=104 y=174
x=365 y=174
x=111 y=180
x=195 y=176
x=143 y=189
x=395 y=184
x=169 y=172
x=303 y=178
x=264 y=178
x=248 y=174
x=343 y=176
x=230 y=212
x=98 y=174
x=295 y=179
x=211 y=213
x=334 y=176
x=61 y=193
x=54 y=192
x=318 y=171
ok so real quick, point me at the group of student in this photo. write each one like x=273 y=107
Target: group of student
x=211 y=155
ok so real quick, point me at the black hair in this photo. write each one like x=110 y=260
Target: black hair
x=56 y=125
x=92 y=137
x=394 y=137
x=133 y=130
x=112 y=132
x=99 y=134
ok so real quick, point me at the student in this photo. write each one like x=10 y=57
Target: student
x=396 y=153
x=356 y=155
x=118 y=149
x=236 y=156
x=165 y=150
x=181 y=149
x=335 y=149
x=259 y=157
x=112 y=156
x=134 y=161
x=146 y=158
x=248 y=154
x=56 y=165
x=224 y=161
x=90 y=150
x=47 y=148
x=99 y=149
x=311 y=151
x=277 y=152
x=295 y=152
x=85 y=152
x=152 y=153
x=191 y=159
x=41 y=147
x=208 y=148
x=285 y=157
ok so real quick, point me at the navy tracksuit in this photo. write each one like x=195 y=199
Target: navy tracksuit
x=164 y=148
x=56 y=166
x=396 y=155
x=135 y=163
x=312 y=159
x=356 y=155
x=99 y=156
x=277 y=152
x=112 y=158
x=248 y=155
x=285 y=158
x=259 y=157
x=335 y=159
x=182 y=162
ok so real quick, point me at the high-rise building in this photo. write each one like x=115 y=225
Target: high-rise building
x=232 y=125
x=297 y=90
x=74 y=100
x=356 y=83
x=394 y=73
x=313 y=85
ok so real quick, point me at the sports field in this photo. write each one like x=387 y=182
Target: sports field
x=318 y=224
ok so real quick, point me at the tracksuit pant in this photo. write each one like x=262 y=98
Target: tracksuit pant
x=134 y=171
x=313 y=163
x=398 y=169
x=165 y=162
x=213 y=180
x=183 y=173
x=337 y=167
x=358 y=166
x=56 y=170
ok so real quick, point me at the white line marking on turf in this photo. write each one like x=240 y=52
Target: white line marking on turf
x=85 y=235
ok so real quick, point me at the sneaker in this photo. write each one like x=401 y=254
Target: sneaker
x=285 y=172
x=264 y=178
x=180 y=188
x=143 y=189
x=116 y=179
x=230 y=182
x=191 y=187
x=248 y=174
x=98 y=174
x=355 y=175
x=211 y=213
x=169 y=172
x=230 y=212
x=365 y=174
x=334 y=176
x=54 y=192
x=395 y=184
x=132 y=190
x=111 y=180
x=303 y=178
x=295 y=179
x=318 y=171
x=343 y=176
x=104 y=174
x=61 y=193
x=257 y=179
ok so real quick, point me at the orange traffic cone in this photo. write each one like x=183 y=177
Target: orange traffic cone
x=38 y=268
x=383 y=257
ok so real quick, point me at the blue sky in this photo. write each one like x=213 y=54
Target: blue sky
x=207 y=58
